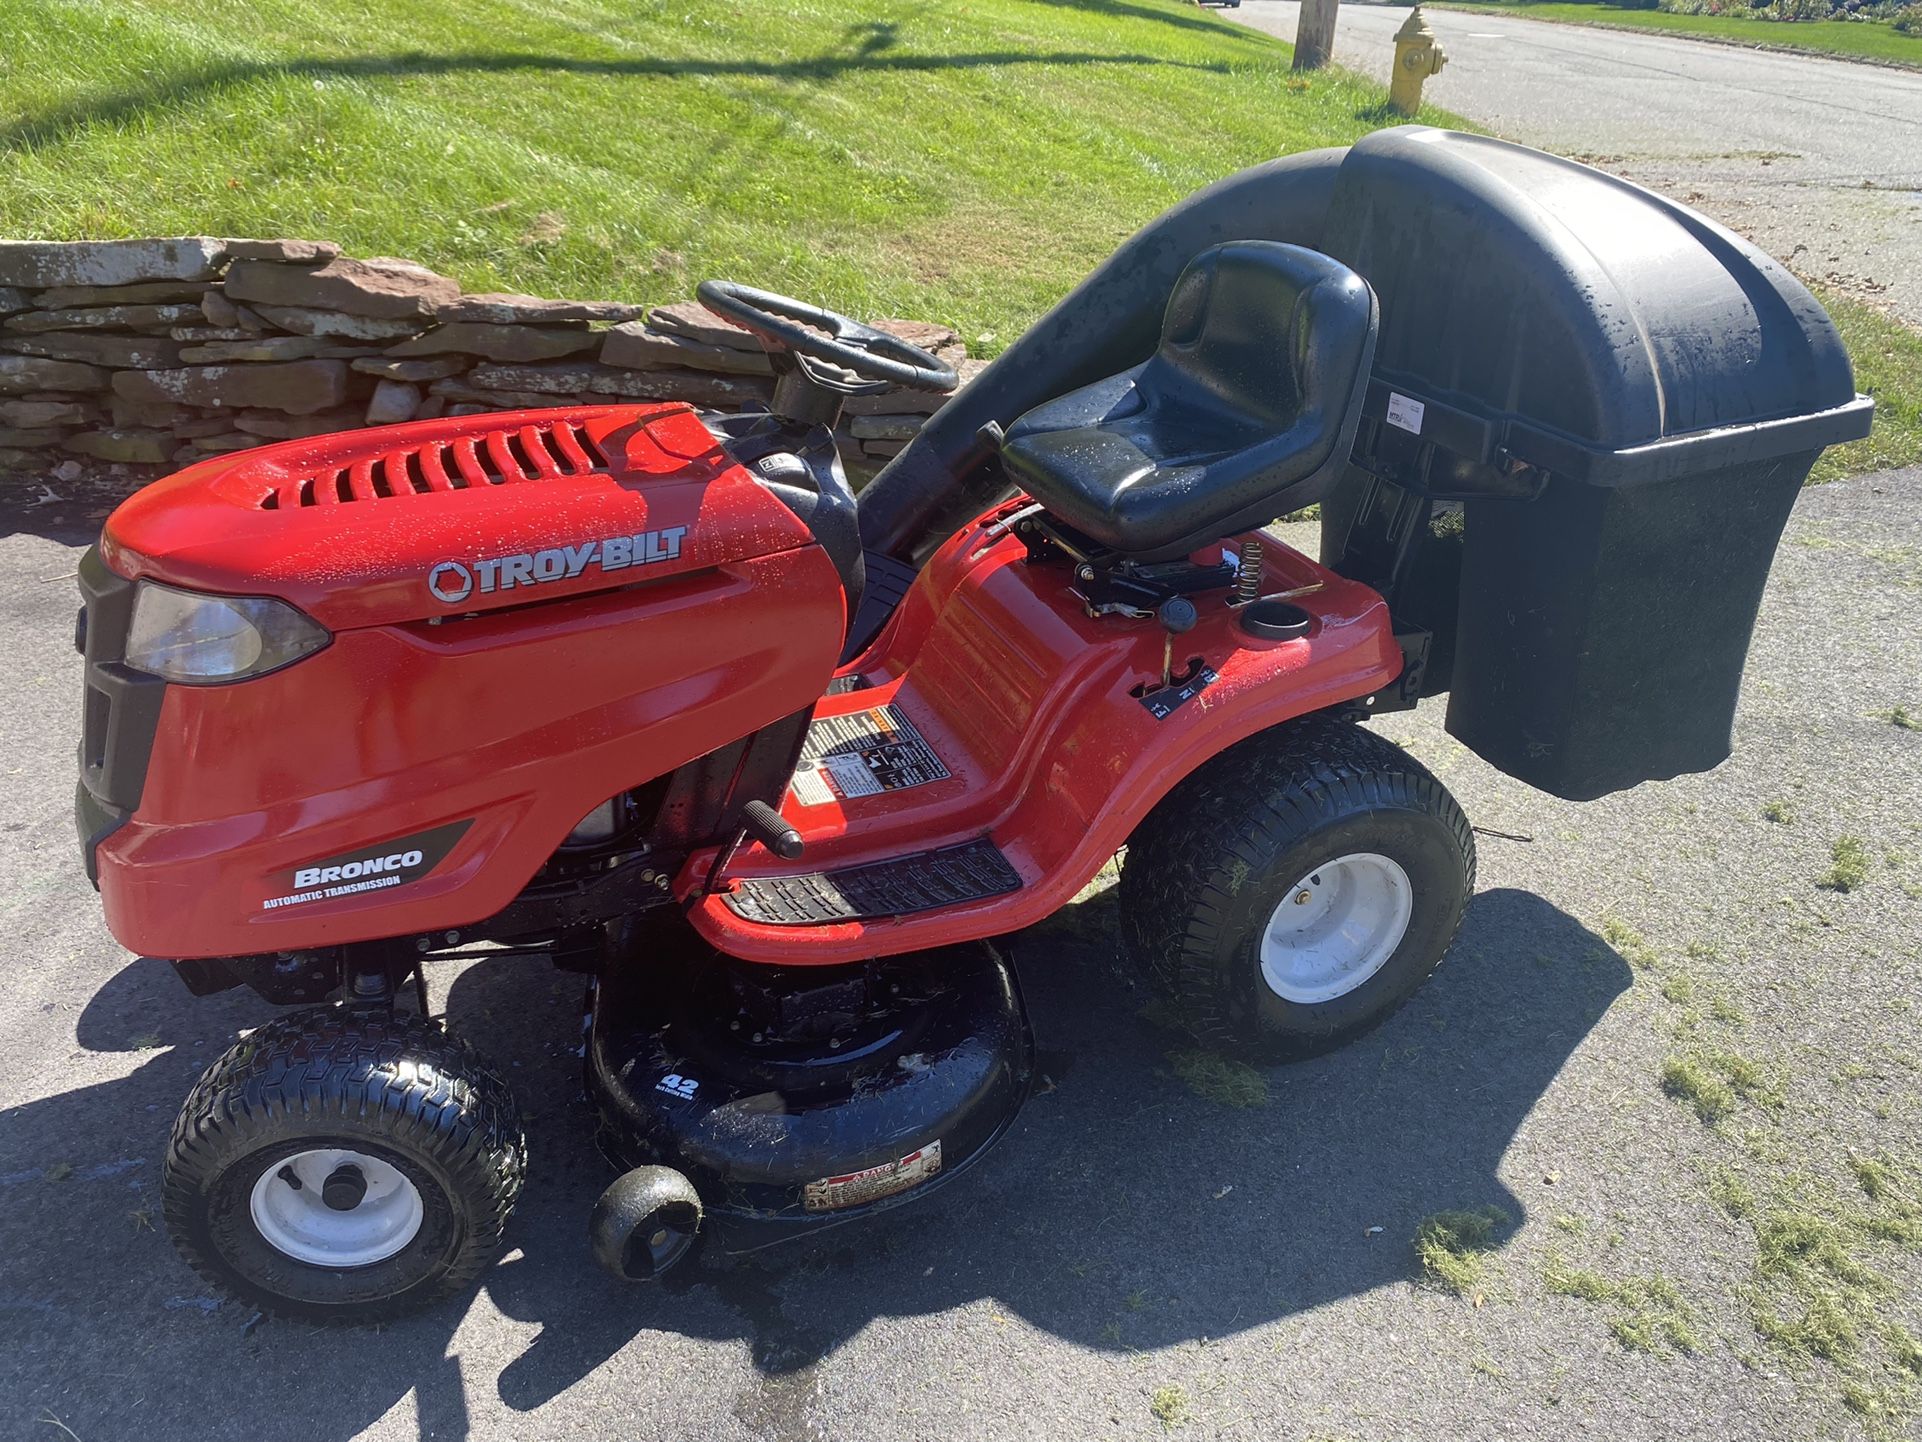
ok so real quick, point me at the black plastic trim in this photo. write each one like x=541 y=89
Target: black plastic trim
x=120 y=713
x=899 y=886
x=799 y=465
x=96 y=822
x=888 y=584
x=1453 y=425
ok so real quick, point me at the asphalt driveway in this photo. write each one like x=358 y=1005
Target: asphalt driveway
x=1818 y=161
x=1140 y=1255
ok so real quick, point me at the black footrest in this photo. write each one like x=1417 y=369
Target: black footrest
x=888 y=581
x=918 y=882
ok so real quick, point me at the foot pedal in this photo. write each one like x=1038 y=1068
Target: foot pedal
x=902 y=884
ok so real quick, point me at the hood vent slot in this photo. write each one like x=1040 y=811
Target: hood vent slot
x=557 y=451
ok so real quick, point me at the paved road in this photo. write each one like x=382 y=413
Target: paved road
x=1129 y=1235
x=1819 y=161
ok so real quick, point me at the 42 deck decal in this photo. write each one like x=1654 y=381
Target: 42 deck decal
x=452 y=582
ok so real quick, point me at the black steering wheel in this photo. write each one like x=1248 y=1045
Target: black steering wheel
x=785 y=324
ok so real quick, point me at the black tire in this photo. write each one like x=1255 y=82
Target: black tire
x=1208 y=866
x=398 y=1089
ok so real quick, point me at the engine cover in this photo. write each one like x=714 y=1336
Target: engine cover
x=528 y=613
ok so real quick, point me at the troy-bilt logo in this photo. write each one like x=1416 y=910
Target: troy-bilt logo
x=452 y=582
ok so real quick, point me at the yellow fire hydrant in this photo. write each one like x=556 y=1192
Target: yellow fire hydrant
x=1418 y=55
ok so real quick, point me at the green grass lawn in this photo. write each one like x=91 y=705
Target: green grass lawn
x=956 y=160
x=1854 y=39
x=1888 y=365
x=964 y=161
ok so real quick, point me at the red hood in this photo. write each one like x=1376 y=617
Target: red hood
x=496 y=510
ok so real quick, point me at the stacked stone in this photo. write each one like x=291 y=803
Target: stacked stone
x=165 y=352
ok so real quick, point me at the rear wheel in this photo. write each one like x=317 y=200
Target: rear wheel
x=1297 y=889
x=344 y=1167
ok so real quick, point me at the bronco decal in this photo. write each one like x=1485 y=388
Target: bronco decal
x=452 y=582
x=372 y=868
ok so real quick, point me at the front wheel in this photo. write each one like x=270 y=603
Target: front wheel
x=343 y=1167
x=1297 y=889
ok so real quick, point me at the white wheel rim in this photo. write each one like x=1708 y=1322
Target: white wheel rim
x=297 y=1221
x=1335 y=927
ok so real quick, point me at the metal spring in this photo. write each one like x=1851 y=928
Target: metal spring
x=1248 y=574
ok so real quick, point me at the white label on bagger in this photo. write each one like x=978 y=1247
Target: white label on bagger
x=863 y=754
x=832 y=1193
x=1404 y=412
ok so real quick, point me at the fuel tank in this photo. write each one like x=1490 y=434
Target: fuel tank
x=515 y=616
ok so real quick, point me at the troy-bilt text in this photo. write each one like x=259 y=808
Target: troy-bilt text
x=454 y=581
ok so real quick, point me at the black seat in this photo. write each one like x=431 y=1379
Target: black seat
x=1246 y=411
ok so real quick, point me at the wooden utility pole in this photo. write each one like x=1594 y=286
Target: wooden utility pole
x=1315 y=34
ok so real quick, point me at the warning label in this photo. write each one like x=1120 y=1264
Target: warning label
x=832 y=1193
x=863 y=754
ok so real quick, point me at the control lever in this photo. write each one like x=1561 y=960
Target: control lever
x=1178 y=616
x=767 y=826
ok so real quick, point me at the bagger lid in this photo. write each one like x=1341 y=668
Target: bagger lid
x=1534 y=306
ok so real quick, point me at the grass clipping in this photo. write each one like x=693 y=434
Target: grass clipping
x=1850 y=868
x=1711 y=1081
x=1818 y=1297
x=1649 y=1314
x=1453 y=1248
x=1219 y=1079
x=1169 y=1405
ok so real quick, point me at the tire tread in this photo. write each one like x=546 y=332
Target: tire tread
x=400 y=1079
x=1243 y=808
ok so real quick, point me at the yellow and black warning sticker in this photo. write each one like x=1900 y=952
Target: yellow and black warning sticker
x=863 y=754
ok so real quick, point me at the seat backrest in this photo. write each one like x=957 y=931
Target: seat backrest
x=1256 y=333
x=1247 y=409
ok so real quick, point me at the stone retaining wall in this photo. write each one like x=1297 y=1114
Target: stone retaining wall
x=164 y=352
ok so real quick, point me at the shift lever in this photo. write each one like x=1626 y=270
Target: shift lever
x=1178 y=616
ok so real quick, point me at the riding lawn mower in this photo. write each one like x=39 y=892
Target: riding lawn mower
x=653 y=694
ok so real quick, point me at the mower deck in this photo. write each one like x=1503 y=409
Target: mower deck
x=996 y=745
x=798 y=1100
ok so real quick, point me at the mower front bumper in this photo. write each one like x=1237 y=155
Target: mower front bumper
x=121 y=713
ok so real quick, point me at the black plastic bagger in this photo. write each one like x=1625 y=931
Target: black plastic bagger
x=1625 y=398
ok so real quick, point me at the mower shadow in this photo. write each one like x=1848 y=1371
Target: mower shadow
x=1121 y=1211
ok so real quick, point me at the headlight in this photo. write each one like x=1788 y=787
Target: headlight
x=202 y=640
